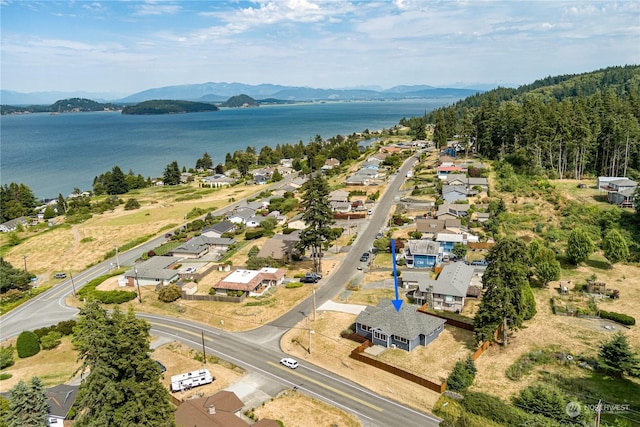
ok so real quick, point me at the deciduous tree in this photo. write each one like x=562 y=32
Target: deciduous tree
x=615 y=247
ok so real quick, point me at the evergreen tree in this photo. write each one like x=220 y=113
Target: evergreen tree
x=117 y=184
x=205 y=162
x=171 y=175
x=615 y=247
x=276 y=176
x=122 y=386
x=617 y=357
x=506 y=300
x=62 y=205
x=28 y=404
x=579 y=246
x=16 y=200
x=49 y=212
x=318 y=216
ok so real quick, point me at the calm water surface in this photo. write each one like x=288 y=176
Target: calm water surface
x=56 y=153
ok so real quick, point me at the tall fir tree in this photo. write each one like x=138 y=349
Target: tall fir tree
x=122 y=383
x=318 y=216
x=507 y=300
x=28 y=404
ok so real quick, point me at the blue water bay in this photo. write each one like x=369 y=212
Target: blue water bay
x=54 y=154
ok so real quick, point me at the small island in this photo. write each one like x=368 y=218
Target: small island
x=168 y=107
x=240 y=101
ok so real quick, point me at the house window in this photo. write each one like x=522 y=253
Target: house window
x=366 y=328
x=379 y=335
x=400 y=339
x=449 y=298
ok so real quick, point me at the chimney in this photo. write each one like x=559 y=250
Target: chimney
x=212 y=409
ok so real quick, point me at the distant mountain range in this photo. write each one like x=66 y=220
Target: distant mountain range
x=220 y=92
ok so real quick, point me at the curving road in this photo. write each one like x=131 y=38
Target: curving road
x=256 y=350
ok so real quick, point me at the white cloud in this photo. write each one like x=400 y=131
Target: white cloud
x=157 y=8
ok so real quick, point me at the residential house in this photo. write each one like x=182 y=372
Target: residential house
x=455 y=179
x=253 y=282
x=297 y=223
x=422 y=253
x=241 y=215
x=195 y=247
x=222 y=409
x=12 y=225
x=330 y=164
x=260 y=179
x=448 y=240
x=482 y=183
x=280 y=247
x=369 y=173
x=220 y=244
x=378 y=157
x=217 y=181
x=483 y=217
x=156 y=270
x=370 y=164
x=342 y=207
x=451 y=210
x=232 y=173
x=391 y=149
x=60 y=399
x=620 y=191
x=357 y=180
x=339 y=196
x=445 y=169
x=405 y=328
x=254 y=221
x=429 y=227
x=186 y=177
x=218 y=229
x=453 y=193
x=287 y=163
x=448 y=291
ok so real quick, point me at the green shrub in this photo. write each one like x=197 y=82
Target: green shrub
x=6 y=356
x=618 y=317
x=169 y=293
x=495 y=409
x=28 y=344
x=462 y=375
x=293 y=285
x=66 y=327
x=5 y=376
x=254 y=234
x=51 y=340
x=41 y=332
x=114 y=297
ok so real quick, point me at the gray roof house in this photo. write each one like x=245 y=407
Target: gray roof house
x=241 y=215
x=339 y=196
x=453 y=193
x=218 y=229
x=451 y=210
x=216 y=181
x=280 y=246
x=12 y=224
x=405 y=329
x=448 y=291
x=192 y=248
x=60 y=398
x=357 y=180
x=153 y=271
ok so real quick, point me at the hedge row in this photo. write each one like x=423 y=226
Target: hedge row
x=618 y=317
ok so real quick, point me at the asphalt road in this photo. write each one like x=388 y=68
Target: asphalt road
x=257 y=350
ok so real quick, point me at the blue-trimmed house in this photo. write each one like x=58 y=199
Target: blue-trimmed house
x=421 y=253
x=405 y=329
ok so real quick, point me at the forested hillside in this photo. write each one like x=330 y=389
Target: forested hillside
x=164 y=106
x=562 y=127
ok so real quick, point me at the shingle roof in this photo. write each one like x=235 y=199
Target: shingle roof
x=453 y=280
x=407 y=323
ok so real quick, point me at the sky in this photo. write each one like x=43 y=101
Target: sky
x=122 y=47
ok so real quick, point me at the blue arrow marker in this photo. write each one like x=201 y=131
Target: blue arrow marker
x=397 y=303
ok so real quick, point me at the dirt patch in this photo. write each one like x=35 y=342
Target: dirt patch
x=297 y=410
x=178 y=359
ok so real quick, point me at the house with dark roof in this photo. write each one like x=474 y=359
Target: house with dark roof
x=218 y=229
x=405 y=329
x=219 y=410
x=429 y=227
x=217 y=181
x=195 y=247
x=13 y=224
x=60 y=399
x=451 y=210
x=241 y=215
x=421 y=253
x=453 y=193
x=447 y=292
x=620 y=191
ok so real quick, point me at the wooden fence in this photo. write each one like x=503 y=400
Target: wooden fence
x=485 y=345
x=450 y=321
x=223 y=298
x=356 y=354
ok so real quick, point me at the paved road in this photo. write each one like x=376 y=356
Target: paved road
x=257 y=350
x=371 y=408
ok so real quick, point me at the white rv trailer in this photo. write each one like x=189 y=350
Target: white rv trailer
x=191 y=379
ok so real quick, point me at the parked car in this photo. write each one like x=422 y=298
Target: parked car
x=161 y=366
x=311 y=278
x=480 y=262
x=365 y=257
x=289 y=362
x=190 y=270
x=60 y=275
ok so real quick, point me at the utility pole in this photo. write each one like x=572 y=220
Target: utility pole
x=73 y=286
x=24 y=257
x=314 y=304
x=117 y=260
x=138 y=285
x=204 y=351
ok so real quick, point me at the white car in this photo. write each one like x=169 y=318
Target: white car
x=289 y=362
